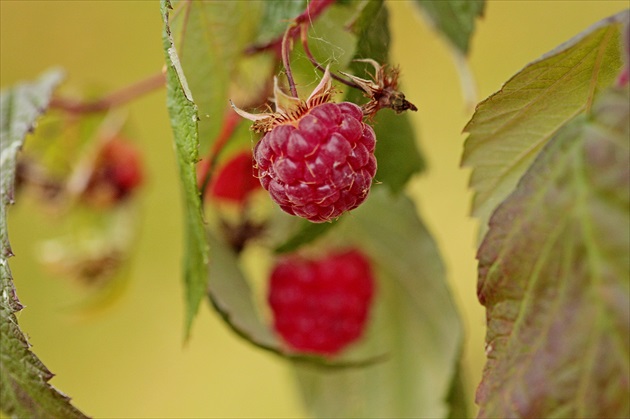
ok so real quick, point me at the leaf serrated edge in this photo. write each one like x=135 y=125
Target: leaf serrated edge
x=11 y=143
x=197 y=250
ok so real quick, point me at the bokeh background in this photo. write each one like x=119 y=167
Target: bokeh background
x=129 y=360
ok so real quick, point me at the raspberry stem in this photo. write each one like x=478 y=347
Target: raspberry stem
x=286 y=60
x=117 y=98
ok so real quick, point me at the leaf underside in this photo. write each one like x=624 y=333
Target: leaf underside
x=512 y=126
x=183 y=114
x=414 y=321
x=24 y=380
x=554 y=275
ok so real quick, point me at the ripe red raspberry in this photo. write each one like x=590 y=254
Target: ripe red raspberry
x=234 y=181
x=316 y=158
x=321 y=306
x=321 y=165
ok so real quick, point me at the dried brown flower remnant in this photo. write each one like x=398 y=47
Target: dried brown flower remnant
x=382 y=90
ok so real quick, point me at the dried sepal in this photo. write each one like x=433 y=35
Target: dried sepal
x=382 y=90
x=288 y=108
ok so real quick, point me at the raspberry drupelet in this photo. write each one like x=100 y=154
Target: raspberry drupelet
x=316 y=158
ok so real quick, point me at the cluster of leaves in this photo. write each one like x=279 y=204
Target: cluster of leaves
x=551 y=180
x=411 y=275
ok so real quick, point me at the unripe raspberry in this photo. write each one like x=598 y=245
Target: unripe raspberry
x=321 y=306
x=321 y=165
x=234 y=181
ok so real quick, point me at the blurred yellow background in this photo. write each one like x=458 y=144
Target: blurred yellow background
x=129 y=360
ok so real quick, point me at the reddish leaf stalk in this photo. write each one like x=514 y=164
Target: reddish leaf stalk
x=286 y=61
x=117 y=98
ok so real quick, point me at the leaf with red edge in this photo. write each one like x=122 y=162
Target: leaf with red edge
x=554 y=275
x=512 y=126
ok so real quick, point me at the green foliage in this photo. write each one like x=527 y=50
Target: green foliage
x=183 y=114
x=397 y=150
x=554 y=276
x=231 y=295
x=455 y=19
x=512 y=126
x=550 y=176
x=415 y=322
x=306 y=233
x=209 y=38
x=276 y=15
x=24 y=387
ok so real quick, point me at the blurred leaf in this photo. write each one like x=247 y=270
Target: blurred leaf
x=510 y=127
x=397 y=151
x=277 y=14
x=554 y=275
x=24 y=387
x=183 y=114
x=371 y=26
x=330 y=42
x=306 y=233
x=21 y=106
x=455 y=19
x=210 y=36
x=417 y=323
x=231 y=296
x=457 y=397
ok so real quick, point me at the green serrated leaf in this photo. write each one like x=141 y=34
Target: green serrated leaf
x=455 y=19
x=24 y=387
x=510 y=128
x=183 y=114
x=417 y=323
x=210 y=37
x=554 y=275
